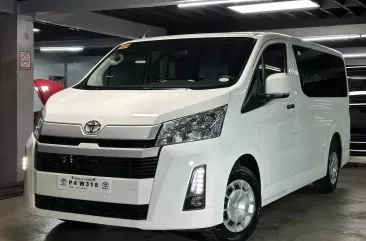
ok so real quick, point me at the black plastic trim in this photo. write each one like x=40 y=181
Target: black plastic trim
x=93 y=208
x=117 y=167
x=68 y=141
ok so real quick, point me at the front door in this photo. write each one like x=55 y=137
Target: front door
x=276 y=121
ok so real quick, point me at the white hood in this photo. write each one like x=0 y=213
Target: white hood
x=130 y=107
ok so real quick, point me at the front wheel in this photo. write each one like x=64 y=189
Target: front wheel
x=241 y=208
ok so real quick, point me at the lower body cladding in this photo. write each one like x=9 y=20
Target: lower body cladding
x=155 y=203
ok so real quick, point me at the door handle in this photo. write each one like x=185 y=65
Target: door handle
x=291 y=106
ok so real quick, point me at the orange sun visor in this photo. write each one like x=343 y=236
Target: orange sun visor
x=125 y=46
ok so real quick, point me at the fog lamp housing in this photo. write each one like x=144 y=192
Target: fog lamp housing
x=24 y=163
x=38 y=126
x=195 y=198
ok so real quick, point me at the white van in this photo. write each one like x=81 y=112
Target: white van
x=191 y=132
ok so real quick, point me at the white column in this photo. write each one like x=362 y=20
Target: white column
x=16 y=94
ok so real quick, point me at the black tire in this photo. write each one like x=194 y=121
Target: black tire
x=324 y=185
x=220 y=232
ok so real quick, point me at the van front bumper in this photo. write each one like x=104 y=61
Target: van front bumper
x=164 y=195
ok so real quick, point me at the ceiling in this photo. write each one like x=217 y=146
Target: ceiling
x=51 y=32
x=218 y=18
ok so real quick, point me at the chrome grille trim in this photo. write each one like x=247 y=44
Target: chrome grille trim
x=91 y=149
x=108 y=132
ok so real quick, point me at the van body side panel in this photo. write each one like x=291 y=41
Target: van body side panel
x=342 y=126
x=241 y=135
x=318 y=118
x=276 y=137
x=273 y=134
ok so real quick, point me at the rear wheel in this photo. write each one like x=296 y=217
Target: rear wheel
x=241 y=208
x=329 y=183
x=75 y=223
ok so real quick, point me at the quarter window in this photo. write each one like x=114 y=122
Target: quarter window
x=321 y=74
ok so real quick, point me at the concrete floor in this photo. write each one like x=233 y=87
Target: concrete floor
x=301 y=216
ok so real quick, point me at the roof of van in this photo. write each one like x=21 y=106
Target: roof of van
x=256 y=35
x=211 y=35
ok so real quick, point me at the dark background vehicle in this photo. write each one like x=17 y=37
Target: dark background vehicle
x=43 y=90
x=357 y=89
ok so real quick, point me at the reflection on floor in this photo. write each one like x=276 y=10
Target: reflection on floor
x=302 y=216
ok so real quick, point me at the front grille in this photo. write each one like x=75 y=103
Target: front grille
x=67 y=141
x=101 y=209
x=137 y=168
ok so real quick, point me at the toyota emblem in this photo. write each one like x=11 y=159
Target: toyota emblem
x=92 y=127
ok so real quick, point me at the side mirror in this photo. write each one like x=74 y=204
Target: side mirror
x=277 y=86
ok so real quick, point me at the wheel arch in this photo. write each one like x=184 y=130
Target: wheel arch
x=252 y=163
x=246 y=152
x=248 y=161
x=336 y=134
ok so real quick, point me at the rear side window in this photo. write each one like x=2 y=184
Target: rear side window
x=321 y=74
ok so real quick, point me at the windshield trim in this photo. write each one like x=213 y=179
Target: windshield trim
x=146 y=87
x=83 y=84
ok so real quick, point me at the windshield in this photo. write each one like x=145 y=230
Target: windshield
x=181 y=63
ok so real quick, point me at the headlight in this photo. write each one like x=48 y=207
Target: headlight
x=196 y=127
x=38 y=126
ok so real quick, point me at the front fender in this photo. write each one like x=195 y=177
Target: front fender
x=248 y=146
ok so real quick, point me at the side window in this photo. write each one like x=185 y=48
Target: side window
x=273 y=60
x=321 y=74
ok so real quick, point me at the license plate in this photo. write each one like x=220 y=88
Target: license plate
x=84 y=183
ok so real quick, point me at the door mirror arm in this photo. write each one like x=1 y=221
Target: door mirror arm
x=268 y=97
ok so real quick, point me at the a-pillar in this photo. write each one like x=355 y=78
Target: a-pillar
x=16 y=94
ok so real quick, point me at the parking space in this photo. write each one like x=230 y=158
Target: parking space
x=300 y=216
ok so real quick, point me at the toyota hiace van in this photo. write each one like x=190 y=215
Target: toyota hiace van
x=191 y=132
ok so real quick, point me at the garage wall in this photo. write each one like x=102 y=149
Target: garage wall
x=354 y=50
x=77 y=67
x=351 y=62
x=46 y=67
